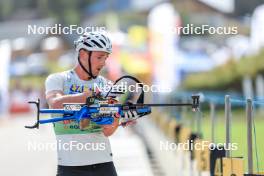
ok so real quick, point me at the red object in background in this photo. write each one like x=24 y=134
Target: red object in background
x=19 y=108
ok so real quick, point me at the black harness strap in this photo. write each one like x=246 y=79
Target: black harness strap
x=89 y=65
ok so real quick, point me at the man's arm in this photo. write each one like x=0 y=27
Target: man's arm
x=108 y=130
x=56 y=98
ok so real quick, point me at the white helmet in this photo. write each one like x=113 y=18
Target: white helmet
x=94 y=41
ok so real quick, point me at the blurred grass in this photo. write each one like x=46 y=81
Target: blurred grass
x=227 y=75
x=238 y=132
x=29 y=81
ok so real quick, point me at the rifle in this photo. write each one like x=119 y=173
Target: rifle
x=102 y=110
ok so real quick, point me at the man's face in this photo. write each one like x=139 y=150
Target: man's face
x=98 y=59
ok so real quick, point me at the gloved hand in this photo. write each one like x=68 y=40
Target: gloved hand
x=129 y=118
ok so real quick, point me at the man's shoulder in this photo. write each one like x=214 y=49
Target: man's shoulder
x=59 y=75
x=55 y=81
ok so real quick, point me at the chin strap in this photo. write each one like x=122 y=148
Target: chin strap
x=89 y=65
